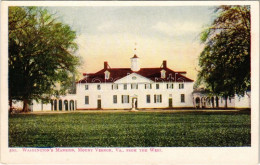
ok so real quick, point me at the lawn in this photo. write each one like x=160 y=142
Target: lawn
x=128 y=129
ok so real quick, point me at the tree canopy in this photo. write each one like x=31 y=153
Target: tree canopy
x=225 y=59
x=41 y=55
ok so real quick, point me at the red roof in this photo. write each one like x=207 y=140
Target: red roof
x=135 y=56
x=153 y=74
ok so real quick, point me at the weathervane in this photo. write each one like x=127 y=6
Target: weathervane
x=135 y=48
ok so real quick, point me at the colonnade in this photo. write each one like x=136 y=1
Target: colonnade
x=63 y=105
x=205 y=102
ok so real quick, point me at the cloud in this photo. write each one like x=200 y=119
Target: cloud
x=177 y=28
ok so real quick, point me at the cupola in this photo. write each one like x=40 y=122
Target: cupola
x=135 y=66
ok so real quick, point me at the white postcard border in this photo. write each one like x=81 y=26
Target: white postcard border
x=170 y=155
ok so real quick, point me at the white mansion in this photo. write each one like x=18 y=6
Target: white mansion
x=136 y=88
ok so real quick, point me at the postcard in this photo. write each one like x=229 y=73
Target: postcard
x=130 y=82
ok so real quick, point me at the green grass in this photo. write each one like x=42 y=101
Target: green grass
x=126 y=129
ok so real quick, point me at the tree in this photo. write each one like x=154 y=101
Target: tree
x=225 y=60
x=40 y=55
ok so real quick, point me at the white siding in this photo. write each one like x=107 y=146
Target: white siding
x=106 y=93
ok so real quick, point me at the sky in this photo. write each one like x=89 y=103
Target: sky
x=111 y=33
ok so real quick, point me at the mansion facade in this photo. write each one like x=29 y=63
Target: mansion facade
x=136 y=88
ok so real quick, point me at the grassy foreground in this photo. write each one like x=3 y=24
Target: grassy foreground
x=126 y=129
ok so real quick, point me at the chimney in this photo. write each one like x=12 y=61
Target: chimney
x=105 y=65
x=164 y=64
x=85 y=75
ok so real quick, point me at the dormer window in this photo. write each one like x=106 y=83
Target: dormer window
x=163 y=73
x=107 y=75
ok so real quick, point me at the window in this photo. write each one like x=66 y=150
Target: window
x=157 y=98
x=86 y=100
x=107 y=75
x=114 y=99
x=134 y=86
x=114 y=86
x=86 y=87
x=170 y=86
x=148 y=99
x=157 y=86
x=98 y=87
x=125 y=86
x=147 y=86
x=125 y=99
x=182 y=98
x=181 y=86
x=163 y=73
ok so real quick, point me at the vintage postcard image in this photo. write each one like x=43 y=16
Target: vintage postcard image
x=153 y=81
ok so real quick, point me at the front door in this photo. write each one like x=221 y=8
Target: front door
x=135 y=103
x=99 y=104
x=170 y=102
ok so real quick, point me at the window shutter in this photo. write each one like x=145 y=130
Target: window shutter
x=148 y=99
x=115 y=99
x=167 y=86
x=127 y=98
x=86 y=100
x=122 y=98
x=144 y=86
x=154 y=98
x=182 y=98
x=160 y=98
